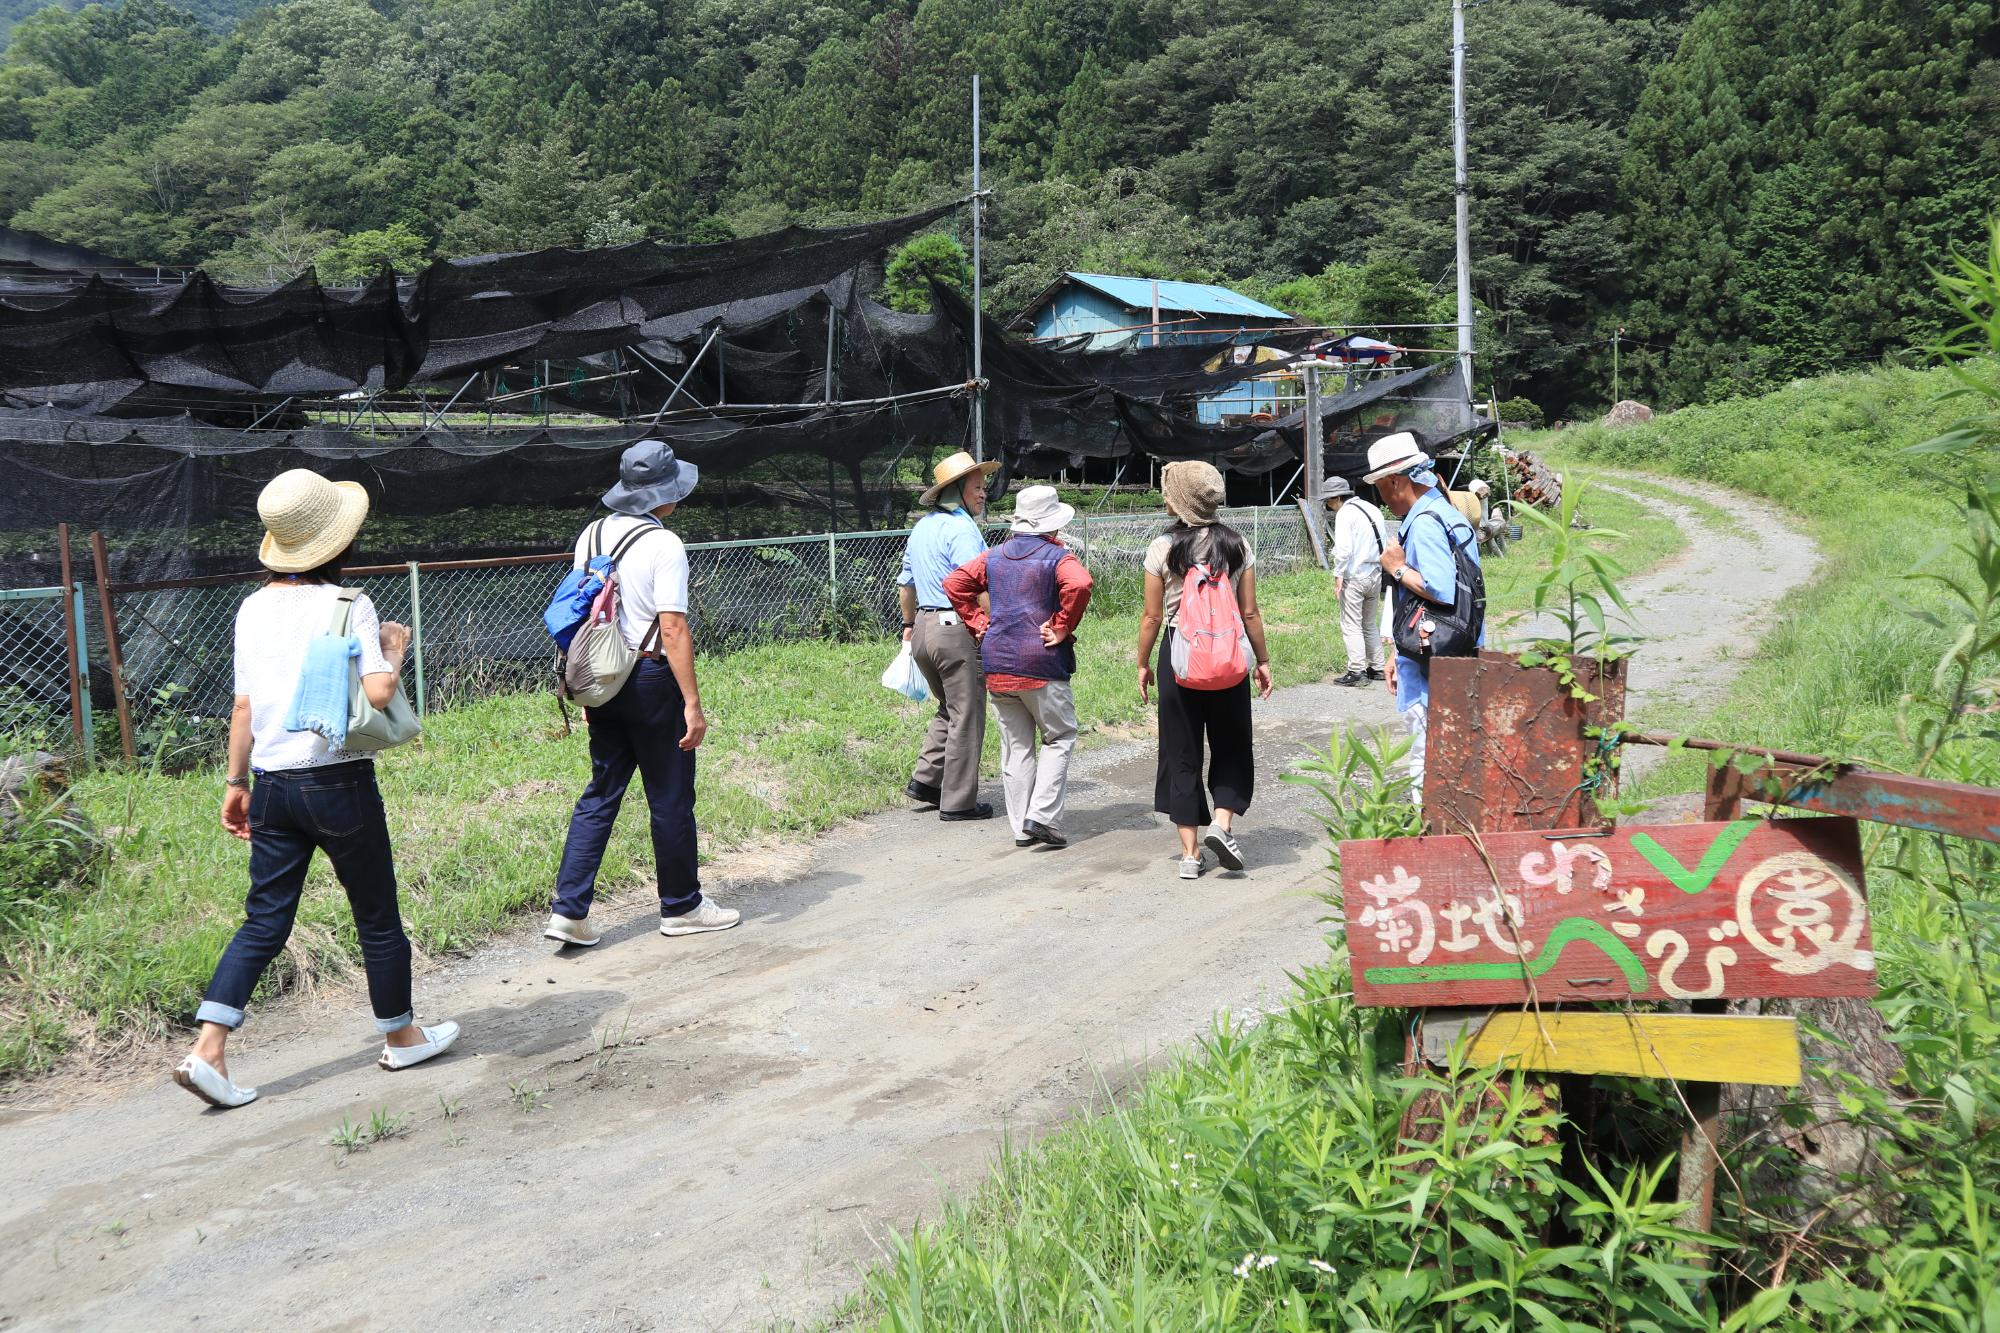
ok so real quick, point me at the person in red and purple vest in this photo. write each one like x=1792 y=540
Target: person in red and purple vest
x=1038 y=591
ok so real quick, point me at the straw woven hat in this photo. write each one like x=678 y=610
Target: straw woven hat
x=308 y=520
x=1193 y=491
x=951 y=471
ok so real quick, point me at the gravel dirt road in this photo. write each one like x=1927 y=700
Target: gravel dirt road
x=714 y=1132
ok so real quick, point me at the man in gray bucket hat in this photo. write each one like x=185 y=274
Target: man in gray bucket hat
x=1359 y=535
x=654 y=724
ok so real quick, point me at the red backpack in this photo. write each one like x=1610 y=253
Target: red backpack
x=1211 y=647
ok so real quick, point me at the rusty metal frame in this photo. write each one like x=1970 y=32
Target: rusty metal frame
x=1828 y=787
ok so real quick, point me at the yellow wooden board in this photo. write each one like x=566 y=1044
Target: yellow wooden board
x=1707 y=1048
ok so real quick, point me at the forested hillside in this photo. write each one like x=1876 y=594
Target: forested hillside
x=1751 y=194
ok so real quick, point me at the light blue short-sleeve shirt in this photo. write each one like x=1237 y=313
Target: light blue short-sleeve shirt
x=940 y=543
x=1425 y=545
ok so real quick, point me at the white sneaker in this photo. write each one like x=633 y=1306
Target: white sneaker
x=1226 y=849
x=570 y=931
x=436 y=1042
x=705 y=917
x=205 y=1081
x=1191 y=866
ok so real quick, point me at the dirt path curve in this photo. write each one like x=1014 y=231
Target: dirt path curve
x=896 y=1001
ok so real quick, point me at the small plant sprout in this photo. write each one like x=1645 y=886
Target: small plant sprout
x=1578 y=589
x=382 y=1126
x=609 y=1043
x=349 y=1137
x=450 y=1106
x=528 y=1096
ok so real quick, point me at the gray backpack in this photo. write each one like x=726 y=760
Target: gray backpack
x=598 y=660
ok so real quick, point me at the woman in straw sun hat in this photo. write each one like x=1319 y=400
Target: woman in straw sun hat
x=309 y=794
x=1191 y=717
x=947 y=772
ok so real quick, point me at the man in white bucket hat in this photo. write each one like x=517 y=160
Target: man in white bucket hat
x=1417 y=567
x=654 y=724
x=1038 y=591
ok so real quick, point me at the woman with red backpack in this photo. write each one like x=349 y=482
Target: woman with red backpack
x=1202 y=587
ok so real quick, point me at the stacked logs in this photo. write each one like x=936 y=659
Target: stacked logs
x=1536 y=483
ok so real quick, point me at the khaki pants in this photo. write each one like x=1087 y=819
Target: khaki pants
x=1361 y=621
x=949 y=659
x=1036 y=782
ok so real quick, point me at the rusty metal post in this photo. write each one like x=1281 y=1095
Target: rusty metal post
x=1701 y=1147
x=102 y=564
x=1723 y=796
x=78 y=674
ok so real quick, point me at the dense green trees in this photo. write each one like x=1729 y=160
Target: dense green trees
x=1755 y=192
x=1793 y=173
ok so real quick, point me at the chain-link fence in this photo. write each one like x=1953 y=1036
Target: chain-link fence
x=477 y=624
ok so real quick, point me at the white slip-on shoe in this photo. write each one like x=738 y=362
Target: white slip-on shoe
x=570 y=931
x=205 y=1081
x=705 y=917
x=1225 y=848
x=1191 y=866
x=437 y=1040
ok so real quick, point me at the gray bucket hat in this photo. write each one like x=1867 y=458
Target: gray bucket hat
x=650 y=476
x=1336 y=488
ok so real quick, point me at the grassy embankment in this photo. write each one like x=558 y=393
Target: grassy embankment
x=1262 y=1183
x=802 y=738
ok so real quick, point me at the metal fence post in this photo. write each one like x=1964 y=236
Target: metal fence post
x=1257 y=530
x=832 y=580
x=417 y=632
x=83 y=661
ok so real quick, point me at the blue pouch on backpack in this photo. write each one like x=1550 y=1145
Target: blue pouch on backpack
x=570 y=604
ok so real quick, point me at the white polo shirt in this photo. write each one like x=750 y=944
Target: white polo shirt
x=652 y=576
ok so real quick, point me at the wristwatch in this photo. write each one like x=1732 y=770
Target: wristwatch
x=243 y=782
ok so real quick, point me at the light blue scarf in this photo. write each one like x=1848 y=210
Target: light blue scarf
x=322 y=701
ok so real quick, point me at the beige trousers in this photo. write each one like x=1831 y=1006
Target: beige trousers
x=949 y=659
x=1035 y=782
x=1361 y=621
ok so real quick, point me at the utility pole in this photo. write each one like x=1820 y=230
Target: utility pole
x=1156 y=312
x=1616 y=397
x=1464 y=191
x=1315 y=458
x=978 y=295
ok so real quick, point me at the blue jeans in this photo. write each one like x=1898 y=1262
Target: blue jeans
x=337 y=809
x=639 y=729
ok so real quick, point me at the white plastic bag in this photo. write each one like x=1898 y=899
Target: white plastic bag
x=903 y=677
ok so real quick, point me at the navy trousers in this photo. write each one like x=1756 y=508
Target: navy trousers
x=337 y=809
x=639 y=729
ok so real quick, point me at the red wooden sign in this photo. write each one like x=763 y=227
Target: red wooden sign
x=1748 y=909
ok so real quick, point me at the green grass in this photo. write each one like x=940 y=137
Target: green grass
x=802 y=739
x=1827 y=673
x=1261 y=1182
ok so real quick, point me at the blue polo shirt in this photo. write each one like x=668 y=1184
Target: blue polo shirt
x=1425 y=545
x=940 y=543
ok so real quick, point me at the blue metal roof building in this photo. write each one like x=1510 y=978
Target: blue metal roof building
x=1115 y=312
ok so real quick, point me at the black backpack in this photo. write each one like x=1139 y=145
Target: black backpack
x=1455 y=629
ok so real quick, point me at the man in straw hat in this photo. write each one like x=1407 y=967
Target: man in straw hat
x=947 y=773
x=654 y=723
x=949 y=767
x=1037 y=592
x=1418 y=566
x=1359 y=536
